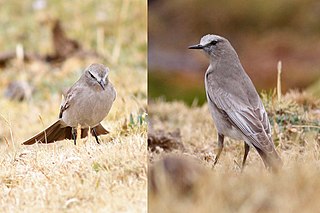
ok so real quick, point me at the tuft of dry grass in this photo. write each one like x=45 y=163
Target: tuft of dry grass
x=63 y=177
x=296 y=132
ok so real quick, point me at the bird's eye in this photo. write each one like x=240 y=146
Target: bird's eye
x=214 y=42
x=92 y=76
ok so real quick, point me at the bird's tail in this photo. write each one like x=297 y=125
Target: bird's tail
x=54 y=132
x=58 y=131
x=271 y=159
x=100 y=130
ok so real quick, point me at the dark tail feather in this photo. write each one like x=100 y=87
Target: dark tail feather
x=49 y=135
x=100 y=130
x=58 y=131
x=271 y=160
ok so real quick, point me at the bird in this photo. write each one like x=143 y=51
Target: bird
x=234 y=103
x=86 y=104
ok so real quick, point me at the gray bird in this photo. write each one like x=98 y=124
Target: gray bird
x=86 y=104
x=234 y=103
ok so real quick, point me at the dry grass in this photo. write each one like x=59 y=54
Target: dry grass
x=91 y=177
x=224 y=188
x=61 y=177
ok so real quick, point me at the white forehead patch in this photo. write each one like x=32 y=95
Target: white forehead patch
x=209 y=38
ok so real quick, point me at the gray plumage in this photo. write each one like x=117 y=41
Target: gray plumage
x=86 y=104
x=234 y=103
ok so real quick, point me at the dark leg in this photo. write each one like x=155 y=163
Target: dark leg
x=246 y=151
x=74 y=135
x=95 y=135
x=220 y=147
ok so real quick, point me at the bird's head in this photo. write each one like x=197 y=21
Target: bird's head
x=97 y=74
x=214 y=45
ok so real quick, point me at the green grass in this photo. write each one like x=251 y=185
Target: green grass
x=172 y=88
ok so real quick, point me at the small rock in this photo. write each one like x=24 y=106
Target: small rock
x=19 y=91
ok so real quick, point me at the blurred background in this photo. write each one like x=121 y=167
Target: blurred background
x=262 y=32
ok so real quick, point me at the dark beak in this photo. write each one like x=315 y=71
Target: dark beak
x=101 y=84
x=197 y=46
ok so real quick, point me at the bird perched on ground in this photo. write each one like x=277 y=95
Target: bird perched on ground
x=234 y=103
x=86 y=104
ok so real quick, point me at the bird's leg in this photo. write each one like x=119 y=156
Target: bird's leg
x=246 y=151
x=95 y=135
x=74 y=135
x=220 y=147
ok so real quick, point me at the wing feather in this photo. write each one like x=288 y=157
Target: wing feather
x=71 y=93
x=252 y=121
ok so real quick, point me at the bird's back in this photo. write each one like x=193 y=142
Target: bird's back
x=233 y=80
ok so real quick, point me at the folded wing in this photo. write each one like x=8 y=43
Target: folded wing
x=251 y=120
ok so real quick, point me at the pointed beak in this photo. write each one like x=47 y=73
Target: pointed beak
x=102 y=84
x=197 y=46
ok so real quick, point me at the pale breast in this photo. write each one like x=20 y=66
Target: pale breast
x=223 y=125
x=89 y=107
x=221 y=122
